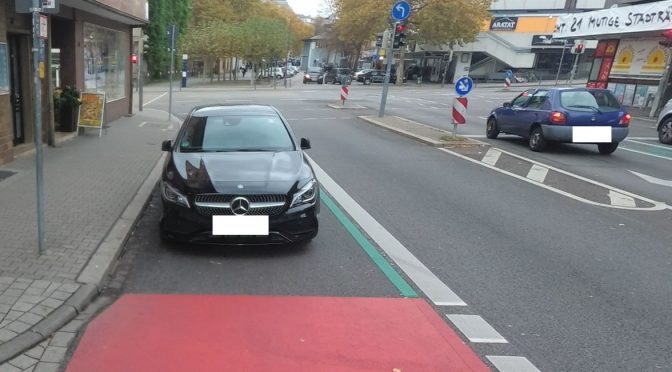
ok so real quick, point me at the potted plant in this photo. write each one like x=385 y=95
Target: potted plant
x=66 y=101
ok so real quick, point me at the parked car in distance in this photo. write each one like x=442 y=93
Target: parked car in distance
x=293 y=70
x=665 y=124
x=337 y=75
x=570 y=115
x=376 y=76
x=312 y=75
x=357 y=75
x=237 y=174
x=278 y=72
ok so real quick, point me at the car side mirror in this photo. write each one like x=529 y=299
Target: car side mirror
x=167 y=145
x=305 y=144
x=507 y=104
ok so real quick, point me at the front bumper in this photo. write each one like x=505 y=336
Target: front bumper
x=187 y=225
x=563 y=133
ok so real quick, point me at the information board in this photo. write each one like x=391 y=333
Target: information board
x=91 y=111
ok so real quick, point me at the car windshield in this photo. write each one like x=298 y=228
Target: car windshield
x=585 y=100
x=235 y=133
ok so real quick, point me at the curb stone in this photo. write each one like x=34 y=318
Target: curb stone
x=93 y=275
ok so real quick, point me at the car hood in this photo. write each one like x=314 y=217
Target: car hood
x=241 y=172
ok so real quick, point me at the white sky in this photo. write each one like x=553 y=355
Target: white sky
x=306 y=7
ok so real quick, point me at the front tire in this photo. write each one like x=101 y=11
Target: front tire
x=537 y=141
x=491 y=129
x=665 y=132
x=367 y=81
x=607 y=148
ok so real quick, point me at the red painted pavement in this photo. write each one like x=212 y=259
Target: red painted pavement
x=245 y=333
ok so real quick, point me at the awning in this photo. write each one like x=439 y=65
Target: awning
x=645 y=18
x=129 y=12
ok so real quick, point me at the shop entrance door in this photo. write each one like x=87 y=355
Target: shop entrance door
x=16 y=94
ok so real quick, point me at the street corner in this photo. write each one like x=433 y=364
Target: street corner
x=554 y=179
x=243 y=332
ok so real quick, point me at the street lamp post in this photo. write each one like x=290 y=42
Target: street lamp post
x=562 y=57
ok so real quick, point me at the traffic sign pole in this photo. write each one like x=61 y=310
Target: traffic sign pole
x=38 y=55
x=386 y=84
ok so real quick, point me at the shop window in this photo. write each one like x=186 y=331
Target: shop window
x=105 y=58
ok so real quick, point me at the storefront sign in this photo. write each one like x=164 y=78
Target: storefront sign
x=4 y=69
x=637 y=18
x=135 y=8
x=548 y=40
x=639 y=58
x=503 y=24
x=92 y=110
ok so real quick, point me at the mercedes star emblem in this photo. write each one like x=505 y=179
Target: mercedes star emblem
x=240 y=206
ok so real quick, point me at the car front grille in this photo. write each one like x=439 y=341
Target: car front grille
x=277 y=202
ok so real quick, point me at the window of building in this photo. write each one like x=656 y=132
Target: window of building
x=105 y=58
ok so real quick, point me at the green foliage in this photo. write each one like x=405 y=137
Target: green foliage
x=66 y=97
x=161 y=14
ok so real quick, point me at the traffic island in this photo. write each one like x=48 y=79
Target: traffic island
x=426 y=134
x=345 y=107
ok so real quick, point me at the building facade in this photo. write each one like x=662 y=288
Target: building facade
x=88 y=47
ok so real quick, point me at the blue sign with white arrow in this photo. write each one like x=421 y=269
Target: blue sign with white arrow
x=464 y=85
x=401 y=10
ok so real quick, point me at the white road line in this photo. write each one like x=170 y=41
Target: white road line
x=474 y=135
x=476 y=329
x=621 y=200
x=512 y=363
x=538 y=173
x=483 y=117
x=657 y=206
x=142 y=124
x=145 y=104
x=646 y=153
x=191 y=101
x=491 y=156
x=642 y=138
x=651 y=144
x=437 y=291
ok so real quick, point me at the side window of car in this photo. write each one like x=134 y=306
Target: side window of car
x=521 y=100
x=538 y=99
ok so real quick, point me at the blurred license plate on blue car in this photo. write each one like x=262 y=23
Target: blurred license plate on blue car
x=591 y=134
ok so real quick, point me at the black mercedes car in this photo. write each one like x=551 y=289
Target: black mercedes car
x=236 y=174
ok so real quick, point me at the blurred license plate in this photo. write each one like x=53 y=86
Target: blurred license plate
x=240 y=225
x=591 y=134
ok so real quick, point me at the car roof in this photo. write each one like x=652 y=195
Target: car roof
x=234 y=110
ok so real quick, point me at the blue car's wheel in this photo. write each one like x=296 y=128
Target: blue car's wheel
x=491 y=129
x=537 y=141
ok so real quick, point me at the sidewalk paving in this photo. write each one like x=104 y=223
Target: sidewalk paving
x=88 y=183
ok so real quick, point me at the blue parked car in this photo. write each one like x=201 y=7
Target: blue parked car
x=571 y=115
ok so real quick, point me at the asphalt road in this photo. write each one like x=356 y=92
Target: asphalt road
x=570 y=286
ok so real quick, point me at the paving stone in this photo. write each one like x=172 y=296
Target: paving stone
x=6 y=335
x=20 y=285
x=46 y=367
x=60 y=295
x=18 y=326
x=30 y=318
x=23 y=361
x=8 y=300
x=6 y=367
x=13 y=292
x=62 y=339
x=41 y=310
x=34 y=291
x=42 y=284
x=52 y=302
x=22 y=306
x=72 y=326
x=35 y=352
x=6 y=280
x=13 y=315
x=70 y=288
x=31 y=299
x=4 y=308
x=54 y=354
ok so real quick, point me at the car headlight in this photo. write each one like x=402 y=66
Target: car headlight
x=307 y=76
x=171 y=194
x=306 y=195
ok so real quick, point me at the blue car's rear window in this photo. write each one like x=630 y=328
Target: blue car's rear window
x=584 y=100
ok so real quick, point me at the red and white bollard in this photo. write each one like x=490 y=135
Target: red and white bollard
x=344 y=94
x=507 y=82
x=459 y=112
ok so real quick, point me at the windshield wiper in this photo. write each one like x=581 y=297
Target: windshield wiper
x=588 y=107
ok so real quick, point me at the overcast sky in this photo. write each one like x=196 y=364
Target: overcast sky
x=307 y=7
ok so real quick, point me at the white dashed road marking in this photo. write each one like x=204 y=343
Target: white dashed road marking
x=491 y=156
x=437 y=291
x=512 y=364
x=155 y=99
x=537 y=173
x=476 y=329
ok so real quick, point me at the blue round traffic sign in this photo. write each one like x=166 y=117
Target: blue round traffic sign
x=464 y=85
x=401 y=10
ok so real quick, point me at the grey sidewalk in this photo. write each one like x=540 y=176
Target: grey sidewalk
x=89 y=182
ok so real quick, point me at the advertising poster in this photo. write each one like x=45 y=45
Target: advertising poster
x=92 y=110
x=639 y=58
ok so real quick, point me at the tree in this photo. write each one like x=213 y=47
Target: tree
x=432 y=21
x=161 y=14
